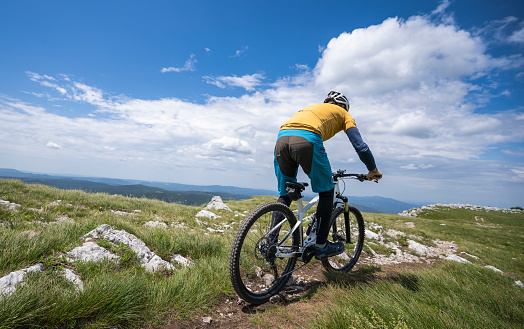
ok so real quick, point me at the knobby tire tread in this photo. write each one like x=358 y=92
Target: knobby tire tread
x=236 y=248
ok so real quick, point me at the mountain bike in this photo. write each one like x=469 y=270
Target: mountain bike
x=263 y=255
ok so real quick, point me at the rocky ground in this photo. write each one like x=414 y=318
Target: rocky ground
x=233 y=312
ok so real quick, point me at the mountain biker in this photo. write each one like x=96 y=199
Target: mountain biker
x=300 y=143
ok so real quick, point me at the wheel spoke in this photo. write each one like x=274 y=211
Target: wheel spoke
x=256 y=272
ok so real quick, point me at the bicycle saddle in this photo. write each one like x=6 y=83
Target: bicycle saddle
x=297 y=185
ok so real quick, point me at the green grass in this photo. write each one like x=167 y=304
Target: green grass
x=445 y=296
x=116 y=294
x=123 y=294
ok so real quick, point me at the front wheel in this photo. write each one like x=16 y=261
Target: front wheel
x=348 y=228
x=255 y=268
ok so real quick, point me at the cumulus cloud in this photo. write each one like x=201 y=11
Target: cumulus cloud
x=53 y=145
x=415 y=86
x=248 y=82
x=398 y=55
x=230 y=147
x=189 y=65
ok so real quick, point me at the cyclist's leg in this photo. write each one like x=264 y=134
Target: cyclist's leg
x=323 y=214
x=322 y=183
x=290 y=153
x=290 y=168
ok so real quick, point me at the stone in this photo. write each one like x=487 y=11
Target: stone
x=207 y=214
x=90 y=252
x=268 y=279
x=459 y=259
x=217 y=203
x=494 y=269
x=149 y=259
x=70 y=276
x=372 y=235
x=8 y=283
x=181 y=260
x=9 y=205
x=156 y=224
x=419 y=248
x=157 y=263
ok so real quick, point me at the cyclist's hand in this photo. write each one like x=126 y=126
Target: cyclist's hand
x=374 y=174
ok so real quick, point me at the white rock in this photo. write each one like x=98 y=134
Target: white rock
x=181 y=260
x=207 y=320
x=206 y=213
x=519 y=283
x=456 y=258
x=90 y=252
x=268 y=279
x=472 y=256
x=122 y=213
x=69 y=275
x=106 y=232
x=419 y=248
x=201 y=222
x=394 y=233
x=416 y=211
x=144 y=254
x=494 y=269
x=8 y=283
x=157 y=263
x=156 y=224
x=9 y=205
x=372 y=235
x=217 y=203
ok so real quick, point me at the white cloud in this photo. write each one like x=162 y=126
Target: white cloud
x=414 y=87
x=248 y=82
x=238 y=53
x=441 y=9
x=398 y=55
x=517 y=36
x=412 y=166
x=53 y=145
x=189 y=65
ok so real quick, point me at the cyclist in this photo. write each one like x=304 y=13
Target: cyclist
x=300 y=143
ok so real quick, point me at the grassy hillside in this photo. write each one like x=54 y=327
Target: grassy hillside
x=441 y=295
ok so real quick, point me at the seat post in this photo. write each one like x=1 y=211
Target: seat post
x=300 y=208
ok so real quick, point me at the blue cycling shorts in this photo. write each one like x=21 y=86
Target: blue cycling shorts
x=302 y=148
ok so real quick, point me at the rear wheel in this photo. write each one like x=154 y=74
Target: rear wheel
x=256 y=272
x=350 y=230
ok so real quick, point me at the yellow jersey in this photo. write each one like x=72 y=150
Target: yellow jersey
x=323 y=119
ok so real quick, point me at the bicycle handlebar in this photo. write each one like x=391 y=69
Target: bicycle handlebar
x=342 y=173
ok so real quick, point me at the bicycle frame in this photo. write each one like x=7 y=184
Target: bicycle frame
x=300 y=213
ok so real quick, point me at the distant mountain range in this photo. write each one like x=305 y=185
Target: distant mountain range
x=193 y=195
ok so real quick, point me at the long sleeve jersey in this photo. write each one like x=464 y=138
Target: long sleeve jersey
x=327 y=120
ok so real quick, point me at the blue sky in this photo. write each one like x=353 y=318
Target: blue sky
x=194 y=92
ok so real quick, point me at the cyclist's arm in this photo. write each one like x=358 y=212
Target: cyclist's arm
x=362 y=149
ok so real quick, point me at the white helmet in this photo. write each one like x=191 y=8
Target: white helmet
x=335 y=96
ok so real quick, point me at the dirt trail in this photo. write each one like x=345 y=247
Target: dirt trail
x=293 y=308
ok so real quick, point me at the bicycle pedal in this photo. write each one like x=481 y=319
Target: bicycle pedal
x=308 y=253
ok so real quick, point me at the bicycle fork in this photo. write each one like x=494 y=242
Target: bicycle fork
x=346 y=220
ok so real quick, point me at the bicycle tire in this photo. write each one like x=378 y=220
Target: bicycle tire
x=252 y=260
x=347 y=260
